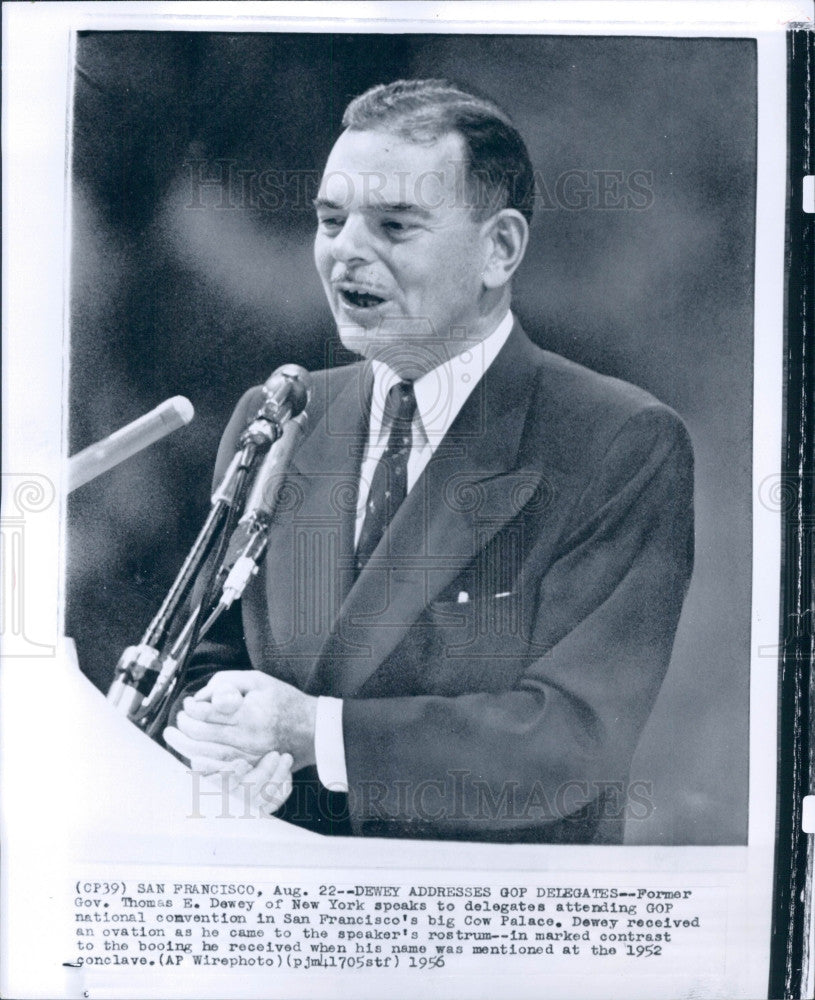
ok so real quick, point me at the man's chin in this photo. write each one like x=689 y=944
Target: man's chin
x=408 y=359
x=357 y=338
x=405 y=347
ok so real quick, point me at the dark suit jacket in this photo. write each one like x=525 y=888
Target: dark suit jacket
x=560 y=503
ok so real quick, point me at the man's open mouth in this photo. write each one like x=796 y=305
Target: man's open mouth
x=360 y=300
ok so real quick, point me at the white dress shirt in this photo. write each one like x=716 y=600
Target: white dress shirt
x=440 y=395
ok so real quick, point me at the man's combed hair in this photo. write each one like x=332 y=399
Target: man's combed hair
x=499 y=171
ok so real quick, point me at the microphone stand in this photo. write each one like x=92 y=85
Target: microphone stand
x=145 y=677
x=139 y=667
x=230 y=578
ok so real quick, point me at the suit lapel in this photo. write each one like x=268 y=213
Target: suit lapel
x=469 y=490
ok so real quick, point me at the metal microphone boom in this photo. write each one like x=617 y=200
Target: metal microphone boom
x=147 y=673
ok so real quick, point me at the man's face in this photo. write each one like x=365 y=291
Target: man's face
x=398 y=250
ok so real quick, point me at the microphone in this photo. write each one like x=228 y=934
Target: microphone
x=263 y=497
x=284 y=396
x=248 y=543
x=128 y=440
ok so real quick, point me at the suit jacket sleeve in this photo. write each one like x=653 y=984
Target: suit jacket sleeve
x=608 y=603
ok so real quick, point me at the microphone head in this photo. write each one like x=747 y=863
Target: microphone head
x=291 y=371
x=286 y=388
x=181 y=408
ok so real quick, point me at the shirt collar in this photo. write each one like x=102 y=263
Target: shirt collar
x=441 y=392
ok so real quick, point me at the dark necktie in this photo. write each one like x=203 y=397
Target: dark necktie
x=389 y=482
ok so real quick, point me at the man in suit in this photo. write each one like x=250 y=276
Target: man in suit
x=470 y=594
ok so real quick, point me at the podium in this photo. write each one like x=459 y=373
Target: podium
x=114 y=794
x=86 y=794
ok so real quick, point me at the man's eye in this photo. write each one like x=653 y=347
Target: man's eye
x=331 y=224
x=395 y=227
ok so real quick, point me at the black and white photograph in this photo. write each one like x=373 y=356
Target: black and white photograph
x=420 y=434
x=519 y=274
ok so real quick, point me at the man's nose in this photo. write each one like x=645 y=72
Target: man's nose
x=352 y=244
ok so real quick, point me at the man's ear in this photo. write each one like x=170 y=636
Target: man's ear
x=506 y=235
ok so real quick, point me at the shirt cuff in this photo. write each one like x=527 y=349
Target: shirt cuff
x=329 y=745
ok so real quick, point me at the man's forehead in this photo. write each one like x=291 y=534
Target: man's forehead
x=376 y=168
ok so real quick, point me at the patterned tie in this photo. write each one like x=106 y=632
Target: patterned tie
x=389 y=482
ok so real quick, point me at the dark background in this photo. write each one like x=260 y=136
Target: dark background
x=177 y=288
